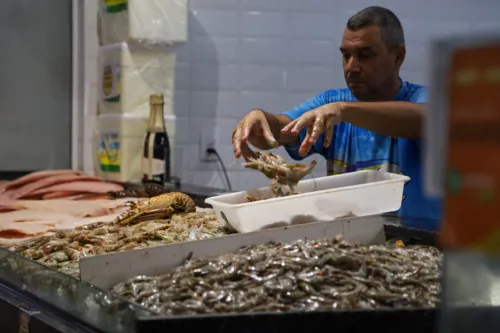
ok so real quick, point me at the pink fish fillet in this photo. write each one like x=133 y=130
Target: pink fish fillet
x=80 y=186
x=74 y=208
x=3 y=184
x=71 y=224
x=34 y=176
x=21 y=230
x=69 y=207
x=21 y=216
x=5 y=201
x=68 y=195
x=45 y=182
x=75 y=196
x=91 y=196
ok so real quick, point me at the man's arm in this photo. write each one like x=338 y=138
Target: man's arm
x=292 y=142
x=276 y=124
x=396 y=119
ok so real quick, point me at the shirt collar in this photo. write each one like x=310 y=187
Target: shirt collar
x=402 y=91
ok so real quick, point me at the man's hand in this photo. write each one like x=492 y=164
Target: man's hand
x=254 y=128
x=318 y=121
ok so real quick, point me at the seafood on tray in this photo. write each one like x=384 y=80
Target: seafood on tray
x=284 y=176
x=161 y=206
x=160 y=220
x=306 y=275
x=64 y=248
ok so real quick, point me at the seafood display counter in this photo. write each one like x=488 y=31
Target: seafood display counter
x=45 y=296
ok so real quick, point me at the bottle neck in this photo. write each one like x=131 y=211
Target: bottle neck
x=156 y=118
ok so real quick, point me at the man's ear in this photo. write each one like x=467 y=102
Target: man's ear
x=400 y=52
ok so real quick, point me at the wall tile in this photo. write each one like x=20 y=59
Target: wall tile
x=270 y=101
x=265 y=5
x=444 y=28
x=312 y=26
x=215 y=50
x=309 y=78
x=415 y=29
x=182 y=103
x=262 y=78
x=259 y=51
x=312 y=52
x=294 y=99
x=214 y=4
x=219 y=103
x=274 y=55
x=409 y=8
x=183 y=135
x=183 y=75
x=315 y=6
x=214 y=77
x=264 y=24
x=184 y=52
x=215 y=23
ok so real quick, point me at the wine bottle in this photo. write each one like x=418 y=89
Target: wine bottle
x=156 y=146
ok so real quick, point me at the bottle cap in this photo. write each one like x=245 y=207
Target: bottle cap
x=156 y=99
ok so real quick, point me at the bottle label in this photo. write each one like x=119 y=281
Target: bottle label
x=153 y=169
x=110 y=84
x=108 y=152
x=115 y=6
x=472 y=197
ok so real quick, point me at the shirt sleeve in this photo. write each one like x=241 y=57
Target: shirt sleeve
x=419 y=97
x=311 y=104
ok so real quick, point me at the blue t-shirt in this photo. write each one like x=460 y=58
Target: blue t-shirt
x=354 y=148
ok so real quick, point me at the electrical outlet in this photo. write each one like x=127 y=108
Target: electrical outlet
x=208 y=139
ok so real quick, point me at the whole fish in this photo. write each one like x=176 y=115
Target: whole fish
x=301 y=276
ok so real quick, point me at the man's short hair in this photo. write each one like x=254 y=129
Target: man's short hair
x=385 y=19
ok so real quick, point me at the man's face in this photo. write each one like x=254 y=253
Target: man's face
x=368 y=62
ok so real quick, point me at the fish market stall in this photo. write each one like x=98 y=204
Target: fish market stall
x=270 y=269
x=96 y=307
x=163 y=263
x=31 y=302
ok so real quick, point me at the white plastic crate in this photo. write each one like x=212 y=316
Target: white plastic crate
x=359 y=193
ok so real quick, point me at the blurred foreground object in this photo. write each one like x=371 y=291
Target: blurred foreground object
x=462 y=166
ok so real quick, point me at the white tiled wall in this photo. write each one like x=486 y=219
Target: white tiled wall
x=274 y=54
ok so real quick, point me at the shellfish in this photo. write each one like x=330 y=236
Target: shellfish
x=283 y=175
x=159 y=207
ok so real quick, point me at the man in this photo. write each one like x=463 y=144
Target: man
x=374 y=124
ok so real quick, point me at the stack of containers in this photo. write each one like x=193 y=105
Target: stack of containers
x=136 y=59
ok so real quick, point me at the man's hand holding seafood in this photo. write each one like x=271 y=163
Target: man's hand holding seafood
x=374 y=123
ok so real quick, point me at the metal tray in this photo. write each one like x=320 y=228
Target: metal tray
x=387 y=321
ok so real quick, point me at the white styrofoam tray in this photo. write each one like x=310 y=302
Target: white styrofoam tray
x=106 y=270
x=359 y=193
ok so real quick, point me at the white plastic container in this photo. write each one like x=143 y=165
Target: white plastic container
x=129 y=74
x=359 y=193
x=143 y=21
x=118 y=146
